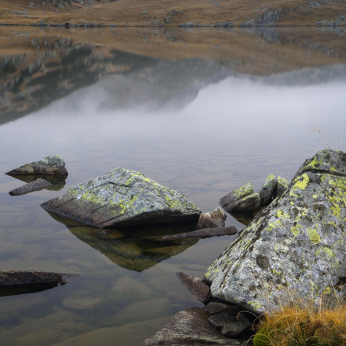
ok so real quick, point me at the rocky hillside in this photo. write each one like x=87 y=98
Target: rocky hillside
x=174 y=12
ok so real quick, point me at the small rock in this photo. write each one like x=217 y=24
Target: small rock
x=36 y=185
x=281 y=186
x=267 y=189
x=231 y=323
x=196 y=286
x=214 y=308
x=48 y=165
x=242 y=199
x=203 y=233
x=215 y=218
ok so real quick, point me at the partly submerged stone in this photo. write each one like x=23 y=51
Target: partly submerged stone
x=196 y=286
x=36 y=185
x=123 y=197
x=267 y=190
x=296 y=243
x=53 y=164
x=190 y=327
x=214 y=308
x=213 y=219
x=57 y=181
x=241 y=199
x=281 y=186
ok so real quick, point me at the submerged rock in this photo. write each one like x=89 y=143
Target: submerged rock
x=281 y=186
x=48 y=165
x=123 y=198
x=203 y=233
x=196 y=286
x=213 y=219
x=57 y=181
x=296 y=242
x=36 y=185
x=267 y=190
x=241 y=199
x=190 y=327
x=214 y=308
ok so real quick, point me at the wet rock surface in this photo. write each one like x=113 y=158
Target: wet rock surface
x=213 y=219
x=190 y=327
x=123 y=197
x=196 y=286
x=36 y=185
x=298 y=238
x=267 y=190
x=242 y=199
x=203 y=233
x=50 y=165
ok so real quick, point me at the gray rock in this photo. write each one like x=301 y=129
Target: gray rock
x=242 y=199
x=36 y=185
x=213 y=219
x=215 y=307
x=190 y=327
x=296 y=242
x=281 y=186
x=123 y=198
x=231 y=323
x=267 y=189
x=268 y=17
x=203 y=233
x=48 y=165
x=196 y=286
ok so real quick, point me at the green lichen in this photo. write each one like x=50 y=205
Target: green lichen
x=313 y=235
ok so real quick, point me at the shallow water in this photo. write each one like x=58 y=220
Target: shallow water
x=200 y=111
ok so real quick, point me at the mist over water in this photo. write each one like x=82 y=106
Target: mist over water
x=200 y=125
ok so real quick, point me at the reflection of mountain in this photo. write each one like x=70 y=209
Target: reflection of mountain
x=133 y=249
x=156 y=69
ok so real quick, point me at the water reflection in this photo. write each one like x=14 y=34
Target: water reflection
x=134 y=249
x=57 y=182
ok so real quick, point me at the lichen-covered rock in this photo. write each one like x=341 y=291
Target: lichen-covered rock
x=53 y=164
x=267 y=190
x=36 y=185
x=120 y=198
x=281 y=186
x=296 y=242
x=213 y=219
x=241 y=199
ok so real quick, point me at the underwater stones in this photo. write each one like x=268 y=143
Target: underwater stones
x=295 y=243
x=281 y=186
x=213 y=219
x=196 y=286
x=50 y=165
x=241 y=199
x=231 y=323
x=36 y=185
x=190 y=327
x=214 y=308
x=203 y=233
x=122 y=198
x=267 y=189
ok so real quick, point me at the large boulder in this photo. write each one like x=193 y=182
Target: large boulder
x=50 y=165
x=241 y=199
x=123 y=197
x=296 y=243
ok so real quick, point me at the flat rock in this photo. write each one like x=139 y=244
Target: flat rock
x=190 y=327
x=53 y=164
x=296 y=242
x=36 y=185
x=203 y=233
x=213 y=219
x=281 y=186
x=268 y=189
x=196 y=286
x=215 y=307
x=123 y=198
x=242 y=199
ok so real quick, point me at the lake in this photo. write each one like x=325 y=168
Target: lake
x=201 y=111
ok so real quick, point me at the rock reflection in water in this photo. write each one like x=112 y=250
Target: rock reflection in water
x=57 y=182
x=135 y=249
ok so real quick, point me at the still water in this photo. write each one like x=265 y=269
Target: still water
x=200 y=111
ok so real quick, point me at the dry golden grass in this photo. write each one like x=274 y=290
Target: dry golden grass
x=156 y=12
x=310 y=322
